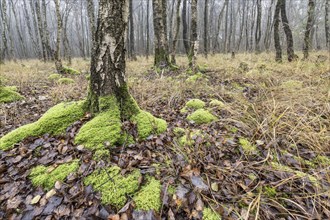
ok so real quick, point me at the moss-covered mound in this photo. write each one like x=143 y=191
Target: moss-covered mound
x=209 y=214
x=71 y=71
x=193 y=104
x=47 y=176
x=216 y=103
x=54 y=121
x=147 y=124
x=148 y=198
x=104 y=127
x=65 y=81
x=248 y=148
x=114 y=187
x=201 y=116
x=54 y=76
x=9 y=94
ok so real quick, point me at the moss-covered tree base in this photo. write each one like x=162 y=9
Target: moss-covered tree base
x=105 y=127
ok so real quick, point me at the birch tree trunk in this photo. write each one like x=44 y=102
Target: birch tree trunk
x=160 y=42
x=288 y=32
x=185 y=39
x=327 y=25
x=57 y=54
x=193 y=37
x=258 y=27
x=309 y=25
x=277 y=42
x=108 y=62
x=176 y=33
x=206 y=27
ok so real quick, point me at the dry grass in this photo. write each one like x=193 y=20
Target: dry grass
x=282 y=103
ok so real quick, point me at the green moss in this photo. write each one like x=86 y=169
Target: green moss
x=148 y=198
x=247 y=146
x=179 y=132
x=299 y=174
x=201 y=116
x=147 y=124
x=54 y=121
x=101 y=154
x=195 y=77
x=54 y=76
x=71 y=71
x=104 y=127
x=252 y=176
x=195 y=104
x=322 y=160
x=113 y=186
x=270 y=191
x=209 y=214
x=42 y=176
x=171 y=190
x=189 y=139
x=9 y=94
x=216 y=103
x=65 y=81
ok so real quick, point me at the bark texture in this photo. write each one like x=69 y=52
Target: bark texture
x=193 y=37
x=309 y=25
x=108 y=61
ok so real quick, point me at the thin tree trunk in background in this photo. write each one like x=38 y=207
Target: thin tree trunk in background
x=30 y=31
x=217 y=43
x=193 y=38
x=36 y=29
x=131 y=46
x=307 y=39
x=247 y=27
x=41 y=31
x=206 y=9
x=288 y=32
x=91 y=19
x=20 y=36
x=186 y=42
x=267 y=39
x=57 y=54
x=176 y=33
x=161 y=52
x=66 y=44
x=242 y=26
x=226 y=29
x=46 y=32
x=83 y=44
x=171 y=27
x=148 y=29
x=252 y=26
x=231 y=26
x=327 y=25
x=258 y=27
x=4 y=51
x=277 y=42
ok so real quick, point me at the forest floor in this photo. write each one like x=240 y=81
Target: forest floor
x=266 y=157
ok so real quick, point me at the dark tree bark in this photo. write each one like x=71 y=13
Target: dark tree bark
x=267 y=39
x=225 y=48
x=288 y=32
x=57 y=56
x=131 y=46
x=206 y=9
x=46 y=31
x=277 y=42
x=309 y=25
x=108 y=62
x=185 y=27
x=148 y=30
x=327 y=25
x=41 y=31
x=160 y=44
x=193 y=38
x=176 y=33
x=258 y=27
x=91 y=19
x=4 y=50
